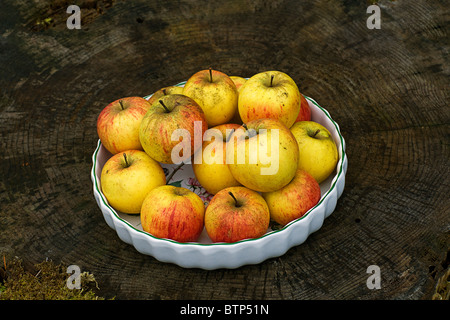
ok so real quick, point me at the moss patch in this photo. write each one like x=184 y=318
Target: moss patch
x=443 y=287
x=45 y=281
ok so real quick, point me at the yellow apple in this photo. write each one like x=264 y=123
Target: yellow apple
x=216 y=93
x=318 y=151
x=293 y=200
x=118 y=124
x=211 y=169
x=173 y=213
x=164 y=92
x=236 y=213
x=271 y=94
x=263 y=155
x=127 y=177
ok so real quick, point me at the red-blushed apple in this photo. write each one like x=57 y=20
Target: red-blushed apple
x=238 y=81
x=293 y=200
x=263 y=155
x=318 y=151
x=271 y=94
x=118 y=124
x=164 y=92
x=216 y=93
x=174 y=213
x=236 y=213
x=127 y=177
x=305 y=111
x=170 y=118
x=212 y=170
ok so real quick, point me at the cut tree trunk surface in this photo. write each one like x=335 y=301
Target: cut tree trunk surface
x=387 y=88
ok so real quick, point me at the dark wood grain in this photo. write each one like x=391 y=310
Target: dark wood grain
x=388 y=89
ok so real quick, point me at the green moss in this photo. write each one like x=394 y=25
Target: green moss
x=443 y=287
x=49 y=282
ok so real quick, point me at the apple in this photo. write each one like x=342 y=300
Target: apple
x=318 y=151
x=238 y=81
x=263 y=155
x=305 y=111
x=127 y=177
x=236 y=213
x=271 y=94
x=293 y=200
x=212 y=170
x=118 y=124
x=168 y=119
x=164 y=92
x=216 y=93
x=174 y=213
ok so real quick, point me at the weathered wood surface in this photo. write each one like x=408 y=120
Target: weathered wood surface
x=388 y=89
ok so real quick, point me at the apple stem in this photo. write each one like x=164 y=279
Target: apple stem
x=244 y=126
x=271 y=80
x=162 y=103
x=126 y=161
x=164 y=92
x=173 y=172
x=210 y=75
x=235 y=200
x=121 y=105
x=315 y=133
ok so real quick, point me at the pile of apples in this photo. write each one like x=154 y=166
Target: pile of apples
x=175 y=126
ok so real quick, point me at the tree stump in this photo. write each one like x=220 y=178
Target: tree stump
x=387 y=88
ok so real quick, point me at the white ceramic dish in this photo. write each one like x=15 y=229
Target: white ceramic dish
x=207 y=255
